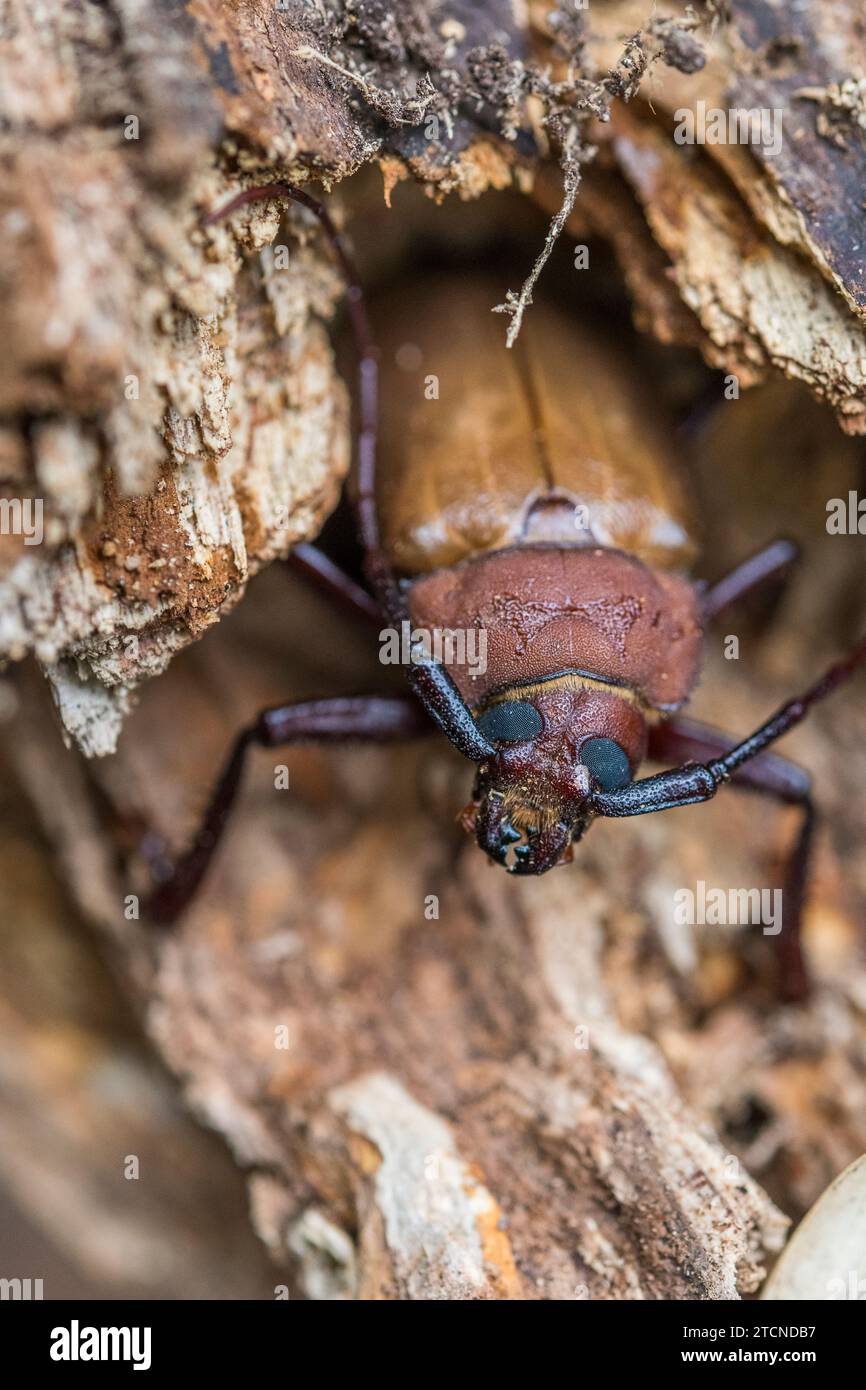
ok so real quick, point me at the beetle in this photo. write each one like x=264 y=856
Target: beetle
x=523 y=511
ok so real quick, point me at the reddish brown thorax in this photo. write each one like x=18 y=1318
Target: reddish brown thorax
x=556 y=608
x=595 y=641
x=552 y=520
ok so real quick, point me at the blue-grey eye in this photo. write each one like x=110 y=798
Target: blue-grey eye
x=607 y=763
x=512 y=721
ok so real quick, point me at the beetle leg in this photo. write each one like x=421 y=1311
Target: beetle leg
x=685 y=786
x=695 y=782
x=681 y=740
x=770 y=563
x=769 y=775
x=430 y=682
x=368 y=719
x=319 y=569
x=376 y=562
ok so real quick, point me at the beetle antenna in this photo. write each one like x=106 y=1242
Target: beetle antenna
x=684 y=786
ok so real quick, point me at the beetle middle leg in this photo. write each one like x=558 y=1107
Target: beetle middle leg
x=773 y=561
x=366 y=719
x=683 y=740
x=319 y=570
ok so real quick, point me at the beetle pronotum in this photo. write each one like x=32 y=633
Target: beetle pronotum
x=594 y=635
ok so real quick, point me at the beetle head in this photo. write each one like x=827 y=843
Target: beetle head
x=557 y=743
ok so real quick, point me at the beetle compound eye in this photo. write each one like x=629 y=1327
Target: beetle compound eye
x=606 y=762
x=512 y=721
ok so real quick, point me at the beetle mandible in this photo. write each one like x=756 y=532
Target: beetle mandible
x=569 y=547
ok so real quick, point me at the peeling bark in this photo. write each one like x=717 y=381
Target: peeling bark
x=759 y=304
x=176 y=414
x=764 y=248
x=544 y=1089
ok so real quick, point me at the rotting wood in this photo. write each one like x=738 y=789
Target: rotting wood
x=636 y=1163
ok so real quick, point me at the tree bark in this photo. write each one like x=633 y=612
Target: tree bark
x=441 y=1082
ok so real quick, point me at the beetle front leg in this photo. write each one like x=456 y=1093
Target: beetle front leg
x=367 y=719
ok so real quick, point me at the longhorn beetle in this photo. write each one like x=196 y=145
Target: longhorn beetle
x=594 y=633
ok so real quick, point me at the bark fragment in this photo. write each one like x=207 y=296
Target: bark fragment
x=176 y=416
x=758 y=302
x=722 y=212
